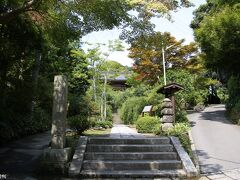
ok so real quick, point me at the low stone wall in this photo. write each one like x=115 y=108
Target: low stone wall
x=187 y=163
x=76 y=164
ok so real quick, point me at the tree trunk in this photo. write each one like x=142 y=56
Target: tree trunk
x=105 y=98
x=94 y=89
x=102 y=107
x=35 y=74
x=94 y=82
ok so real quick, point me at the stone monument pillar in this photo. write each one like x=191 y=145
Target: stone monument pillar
x=167 y=114
x=57 y=156
x=59 y=112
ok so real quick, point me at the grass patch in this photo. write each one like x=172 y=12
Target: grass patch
x=97 y=132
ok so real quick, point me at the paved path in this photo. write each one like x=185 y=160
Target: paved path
x=117 y=119
x=120 y=130
x=233 y=174
x=19 y=159
x=123 y=131
x=217 y=141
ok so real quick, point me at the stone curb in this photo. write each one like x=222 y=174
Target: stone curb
x=194 y=151
x=76 y=164
x=188 y=165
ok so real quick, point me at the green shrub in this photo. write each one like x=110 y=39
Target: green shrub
x=234 y=112
x=6 y=131
x=93 y=120
x=233 y=102
x=131 y=109
x=41 y=121
x=222 y=93
x=109 y=113
x=147 y=124
x=180 y=130
x=157 y=129
x=16 y=125
x=233 y=91
x=79 y=123
x=103 y=124
x=181 y=116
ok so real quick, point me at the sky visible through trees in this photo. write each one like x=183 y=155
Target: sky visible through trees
x=179 y=28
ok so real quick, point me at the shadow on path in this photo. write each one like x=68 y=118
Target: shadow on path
x=217 y=115
x=205 y=166
x=216 y=139
x=19 y=159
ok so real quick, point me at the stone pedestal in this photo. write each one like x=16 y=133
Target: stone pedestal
x=56 y=160
x=167 y=114
x=57 y=156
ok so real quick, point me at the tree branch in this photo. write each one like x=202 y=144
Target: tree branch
x=27 y=6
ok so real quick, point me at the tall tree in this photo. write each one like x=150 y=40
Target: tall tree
x=217 y=31
x=219 y=37
x=36 y=39
x=147 y=54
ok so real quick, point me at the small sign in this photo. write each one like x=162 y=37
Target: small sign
x=147 y=109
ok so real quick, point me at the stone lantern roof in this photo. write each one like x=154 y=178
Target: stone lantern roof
x=170 y=88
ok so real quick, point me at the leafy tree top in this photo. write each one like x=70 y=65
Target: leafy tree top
x=147 y=54
x=83 y=16
x=217 y=32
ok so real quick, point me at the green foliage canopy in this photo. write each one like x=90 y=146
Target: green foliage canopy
x=219 y=36
x=147 y=54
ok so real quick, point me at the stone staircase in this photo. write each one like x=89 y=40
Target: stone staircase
x=128 y=158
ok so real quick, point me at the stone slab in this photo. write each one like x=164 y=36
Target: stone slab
x=131 y=156
x=166 y=126
x=203 y=178
x=167 y=111
x=129 y=148
x=216 y=176
x=57 y=155
x=186 y=161
x=235 y=174
x=167 y=103
x=226 y=178
x=118 y=165
x=107 y=140
x=167 y=119
x=141 y=174
x=77 y=161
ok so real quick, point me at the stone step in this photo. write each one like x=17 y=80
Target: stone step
x=179 y=173
x=131 y=165
x=107 y=140
x=131 y=156
x=129 y=148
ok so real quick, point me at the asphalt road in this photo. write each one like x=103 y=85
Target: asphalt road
x=20 y=159
x=217 y=140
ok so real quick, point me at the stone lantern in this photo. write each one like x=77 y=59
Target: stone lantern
x=169 y=105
